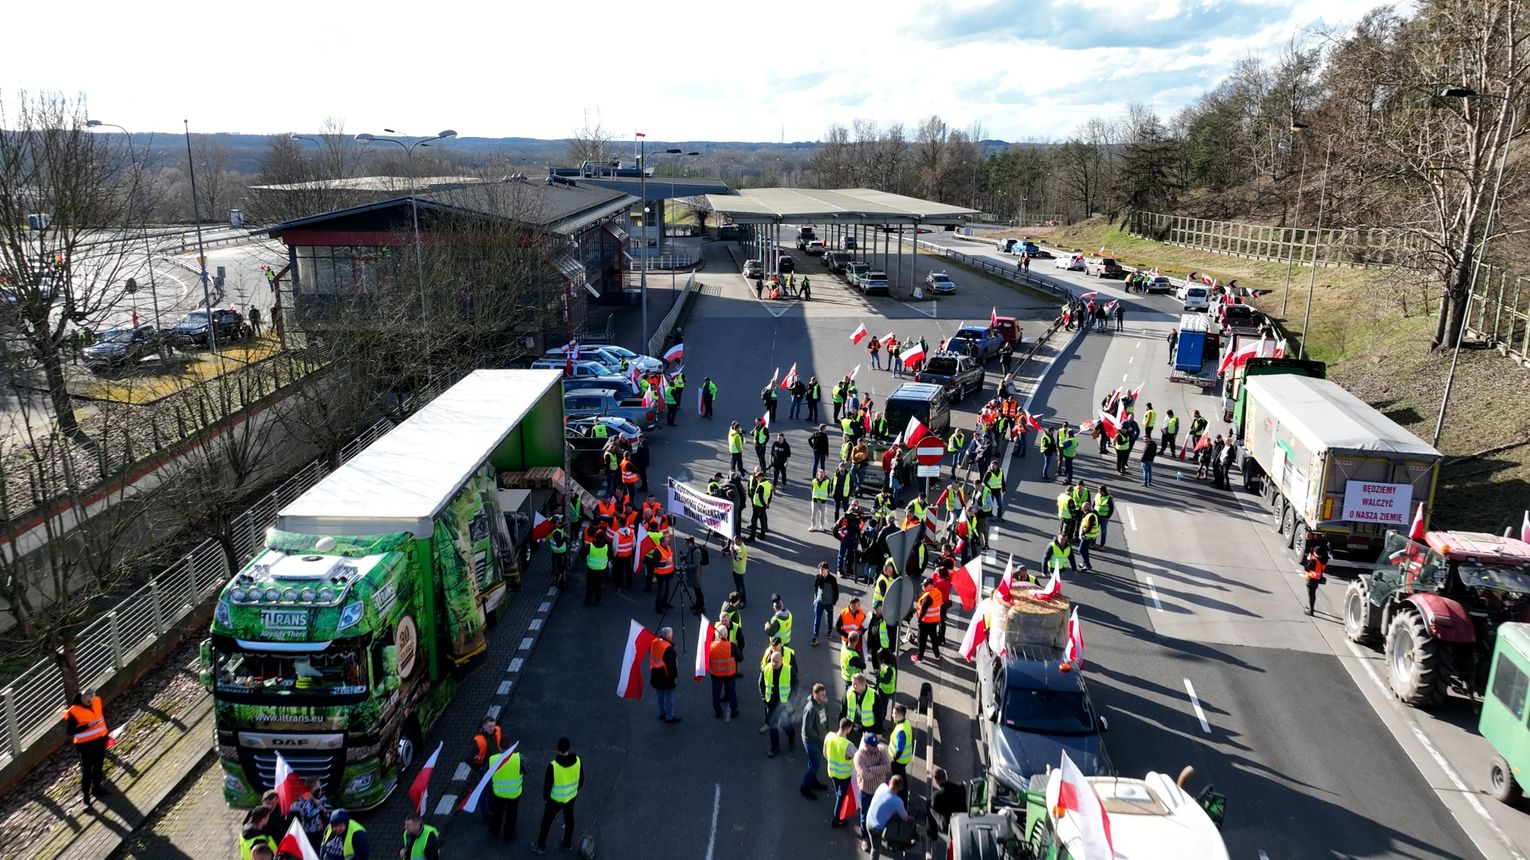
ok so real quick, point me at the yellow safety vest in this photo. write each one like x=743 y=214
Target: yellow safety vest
x=1150 y=417
x=507 y=780
x=860 y=712
x=599 y=557
x=1103 y=505
x=740 y=559
x=1064 y=506
x=820 y=490
x=784 y=628
x=247 y=845
x=565 y=785
x=735 y=442
x=1090 y=526
x=417 y=851
x=779 y=686
x=836 y=751
x=905 y=753
x=1172 y=425
x=887 y=680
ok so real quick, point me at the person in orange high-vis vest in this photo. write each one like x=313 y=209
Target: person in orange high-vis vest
x=663 y=670
x=662 y=557
x=722 y=666
x=624 y=542
x=85 y=724
x=486 y=742
x=929 y=608
x=852 y=619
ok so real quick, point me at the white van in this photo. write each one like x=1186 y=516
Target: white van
x=1195 y=297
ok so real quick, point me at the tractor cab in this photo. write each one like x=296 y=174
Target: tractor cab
x=1490 y=574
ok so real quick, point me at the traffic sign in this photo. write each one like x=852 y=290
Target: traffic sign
x=930 y=451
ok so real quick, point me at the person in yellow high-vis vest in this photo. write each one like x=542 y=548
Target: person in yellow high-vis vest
x=560 y=788
x=421 y=841
x=900 y=745
x=506 y=781
x=345 y=837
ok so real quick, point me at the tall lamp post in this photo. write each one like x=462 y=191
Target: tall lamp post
x=1487 y=232
x=196 y=217
x=414 y=207
x=1301 y=181
x=1312 y=282
x=148 y=249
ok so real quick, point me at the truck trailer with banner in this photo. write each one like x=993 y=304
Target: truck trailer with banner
x=342 y=641
x=1329 y=463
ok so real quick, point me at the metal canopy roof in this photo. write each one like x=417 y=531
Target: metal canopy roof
x=842 y=205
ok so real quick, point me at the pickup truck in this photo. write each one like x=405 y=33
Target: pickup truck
x=814 y=248
x=979 y=342
x=954 y=371
x=1034 y=251
x=1104 y=267
x=1237 y=318
x=604 y=401
x=1006 y=246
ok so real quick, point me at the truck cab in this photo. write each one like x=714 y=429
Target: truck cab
x=922 y=400
x=1503 y=719
x=957 y=372
x=1008 y=328
x=806 y=235
x=1196 y=352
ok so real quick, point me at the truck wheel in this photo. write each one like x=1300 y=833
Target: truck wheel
x=1359 y=623
x=1299 y=542
x=1501 y=779
x=1277 y=505
x=1418 y=665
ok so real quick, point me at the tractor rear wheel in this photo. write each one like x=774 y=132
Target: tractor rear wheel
x=1418 y=665
x=1358 y=612
x=1501 y=779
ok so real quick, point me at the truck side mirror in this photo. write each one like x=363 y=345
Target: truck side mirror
x=204 y=659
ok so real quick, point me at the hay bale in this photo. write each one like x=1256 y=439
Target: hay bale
x=1032 y=622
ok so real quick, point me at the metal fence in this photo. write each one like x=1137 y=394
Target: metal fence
x=30 y=706
x=1500 y=312
x=656 y=344
x=1002 y=271
x=1348 y=246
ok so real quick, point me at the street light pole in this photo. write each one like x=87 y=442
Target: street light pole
x=414 y=205
x=148 y=249
x=196 y=217
x=1301 y=181
x=1471 y=289
x=1312 y=282
x=643 y=261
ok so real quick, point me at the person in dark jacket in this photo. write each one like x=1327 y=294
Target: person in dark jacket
x=640 y=462
x=566 y=793
x=662 y=672
x=818 y=443
x=335 y=839
x=780 y=452
x=256 y=823
x=799 y=391
x=825 y=598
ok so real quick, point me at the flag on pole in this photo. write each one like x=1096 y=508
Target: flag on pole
x=850 y=806
x=541 y=526
x=851 y=375
x=1052 y=589
x=704 y=640
x=1069 y=795
x=967 y=581
x=638 y=134
x=701 y=406
x=295 y=844
x=890 y=340
x=1417 y=530
x=765 y=419
x=913 y=432
x=859 y=334
x=913 y=355
x=675 y=353
x=419 y=790
x=470 y=802
x=993 y=316
x=629 y=684
x=1006 y=587
x=1075 y=653
x=977 y=631
x=1089 y=295
x=791 y=378
x=289 y=786
x=1031 y=420
x=1137 y=392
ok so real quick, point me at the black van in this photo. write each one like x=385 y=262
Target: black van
x=923 y=400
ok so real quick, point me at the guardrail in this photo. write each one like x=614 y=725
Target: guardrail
x=1002 y=271
x=657 y=343
x=186 y=243
x=1351 y=246
x=31 y=705
x=1500 y=312
x=665 y=261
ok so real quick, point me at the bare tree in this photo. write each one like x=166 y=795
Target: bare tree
x=929 y=155
x=591 y=142
x=699 y=209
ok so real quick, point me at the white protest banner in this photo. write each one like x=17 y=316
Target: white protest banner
x=698 y=507
x=1376 y=502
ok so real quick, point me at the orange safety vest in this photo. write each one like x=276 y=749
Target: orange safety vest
x=624 y=542
x=666 y=565
x=855 y=623
x=651 y=510
x=606 y=508
x=1317 y=568
x=482 y=744
x=931 y=613
x=91 y=721
x=720 y=662
x=656 y=653
x=628 y=475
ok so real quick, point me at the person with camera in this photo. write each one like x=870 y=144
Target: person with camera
x=689 y=561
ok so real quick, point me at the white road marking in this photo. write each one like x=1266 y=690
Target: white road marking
x=1123 y=377
x=1263 y=856
x=536 y=624
x=1131 y=518
x=1439 y=760
x=462 y=772
x=504 y=688
x=545 y=608
x=492 y=713
x=1153 y=594
x=1196 y=703
x=527 y=643
x=716 y=808
x=1131 y=359
x=515 y=665
x=447 y=802
x=552 y=592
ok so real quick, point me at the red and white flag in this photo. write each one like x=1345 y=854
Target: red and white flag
x=1089 y=295
x=1137 y=392
x=675 y=353
x=1075 y=640
x=765 y=419
x=648 y=397
x=890 y=340
x=1416 y=532
x=1208 y=280
x=791 y=377
x=850 y=806
x=913 y=355
x=638 y=134
x=1006 y=586
x=470 y=802
x=993 y=316
x=1524 y=528
x=419 y=790
x=295 y=844
x=1031 y=420
x=1113 y=423
x=967 y=581
x=859 y=334
x=851 y=375
x=289 y=786
x=913 y=432
x=541 y=526
x=1070 y=796
x=1052 y=589
x=629 y=685
x=977 y=631
x=705 y=638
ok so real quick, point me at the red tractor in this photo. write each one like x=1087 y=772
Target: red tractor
x=1435 y=607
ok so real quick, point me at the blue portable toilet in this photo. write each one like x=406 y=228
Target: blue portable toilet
x=1191 y=351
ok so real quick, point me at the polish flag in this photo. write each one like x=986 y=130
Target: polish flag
x=419 y=790
x=1075 y=653
x=1006 y=587
x=541 y=526
x=941 y=499
x=1089 y=295
x=295 y=843
x=1208 y=280
x=1416 y=532
x=791 y=378
x=706 y=637
x=1110 y=306
x=629 y=684
x=993 y=316
x=701 y=406
x=675 y=353
x=1070 y=796
x=1137 y=392
x=889 y=339
x=977 y=631
x=765 y=419
x=850 y=806
x=851 y=375
x=1052 y=589
x=638 y=134
x=470 y=802
x=913 y=432
x=1031 y=420
x=859 y=334
x=773 y=377
x=1240 y=356
x=966 y=581
x=1524 y=528
x=1113 y=422
x=913 y=355
x=289 y=786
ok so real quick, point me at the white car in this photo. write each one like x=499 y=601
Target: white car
x=1070 y=262
x=1195 y=297
x=1159 y=284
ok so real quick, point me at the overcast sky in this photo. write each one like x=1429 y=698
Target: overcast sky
x=718 y=71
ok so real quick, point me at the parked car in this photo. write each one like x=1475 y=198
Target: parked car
x=957 y=372
x=980 y=342
x=1034 y=251
x=853 y=272
x=805 y=236
x=603 y=402
x=1070 y=262
x=754 y=269
x=873 y=281
x=1006 y=245
x=579 y=370
x=610 y=355
x=1104 y=267
x=836 y=261
x=226 y=325
x=1031 y=709
x=1195 y=297
x=786 y=264
x=849 y=242
x=620 y=384
x=1159 y=284
x=122 y=347
x=585 y=428
x=814 y=248
x=940 y=284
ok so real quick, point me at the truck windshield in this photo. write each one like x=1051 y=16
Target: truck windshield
x=339 y=671
x=1051 y=712
x=1494 y=576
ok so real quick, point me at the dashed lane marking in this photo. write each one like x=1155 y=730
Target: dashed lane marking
x=1200 y=714
x=515 y=665
x=462 y=772
x=527 y=643
x=446 y=803
x=1131 y=518
x=545 y=608
x=504 y=688
x=716 y=808
x=492 y=713
x=536 y=624
x=1153 y=595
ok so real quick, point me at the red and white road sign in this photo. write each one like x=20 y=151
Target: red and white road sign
x=930 y=451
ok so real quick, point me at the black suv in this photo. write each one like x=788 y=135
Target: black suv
x=121 y=347
x=193 y=328
x=958 y=373
x=1032 y=708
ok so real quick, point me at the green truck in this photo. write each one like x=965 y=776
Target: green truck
x=342 y=641
x=1233 y=395
x=1503 y=712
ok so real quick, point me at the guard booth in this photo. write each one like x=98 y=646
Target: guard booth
x=1197 y=344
